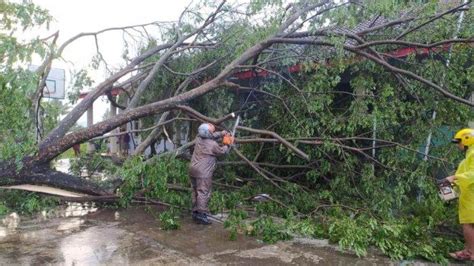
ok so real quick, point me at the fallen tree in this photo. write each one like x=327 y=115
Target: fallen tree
x=56 y=142
x=336 y=100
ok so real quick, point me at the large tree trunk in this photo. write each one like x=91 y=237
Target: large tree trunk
x=43 y=175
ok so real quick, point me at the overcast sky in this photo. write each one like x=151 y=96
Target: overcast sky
x=76 y=16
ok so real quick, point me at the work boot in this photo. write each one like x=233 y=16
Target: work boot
x=201 y=218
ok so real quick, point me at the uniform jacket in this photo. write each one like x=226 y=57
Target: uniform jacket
x=465 y=182
x=203 y=161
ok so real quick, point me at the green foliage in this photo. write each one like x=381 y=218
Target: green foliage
x=17 y=84
x=224 y=200
x=235 y=223
x=169 y=220
x=25 y=202
x=54 y=109
x=79 y=81
x=399 y=239
x=14 y=108
x=17 y=17
x=3 y=209
x=22 y=15
x=91 y=165
x=152 y=179
x=350 y=235
x=268 y=230
x=353 y=195
x=306 y=228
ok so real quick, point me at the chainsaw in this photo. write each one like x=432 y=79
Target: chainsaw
x=228 y=139
x=446 y=190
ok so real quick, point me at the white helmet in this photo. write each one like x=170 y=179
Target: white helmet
x=204 y=131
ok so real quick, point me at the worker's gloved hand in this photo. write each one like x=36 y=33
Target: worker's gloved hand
x=227 y=139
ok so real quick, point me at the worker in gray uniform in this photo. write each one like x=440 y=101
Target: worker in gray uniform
x=202 y=166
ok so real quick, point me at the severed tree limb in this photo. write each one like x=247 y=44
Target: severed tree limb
x=279 y=138
x=290 y=166
x=259 y=171
x=72 y=117
x=201 y=117
x=144 y=84
x=193 y=113
x=58 y=180
x=157 y=131
x=45 y=67
x=59 y=143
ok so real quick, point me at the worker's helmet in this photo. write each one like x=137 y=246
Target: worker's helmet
x=205 y=130
x=465 y=137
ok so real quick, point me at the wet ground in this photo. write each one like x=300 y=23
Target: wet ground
x=133 y=237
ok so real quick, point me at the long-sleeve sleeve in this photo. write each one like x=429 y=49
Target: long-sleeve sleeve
x=465 y=172
x=465 y=182
x=219 y=150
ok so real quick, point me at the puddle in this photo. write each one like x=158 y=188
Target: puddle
x=83 y=235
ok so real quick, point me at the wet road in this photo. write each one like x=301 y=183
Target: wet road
x=133 y=237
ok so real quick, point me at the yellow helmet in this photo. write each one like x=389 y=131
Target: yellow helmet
x=465 y=137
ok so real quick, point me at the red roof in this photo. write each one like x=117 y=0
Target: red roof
x=249 y=74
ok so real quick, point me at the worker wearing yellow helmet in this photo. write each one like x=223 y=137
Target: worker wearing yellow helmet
x=464 y=180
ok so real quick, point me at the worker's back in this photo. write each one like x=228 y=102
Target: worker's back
x=203 y=161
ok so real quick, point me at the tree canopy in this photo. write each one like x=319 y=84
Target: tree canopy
x=338 y=101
